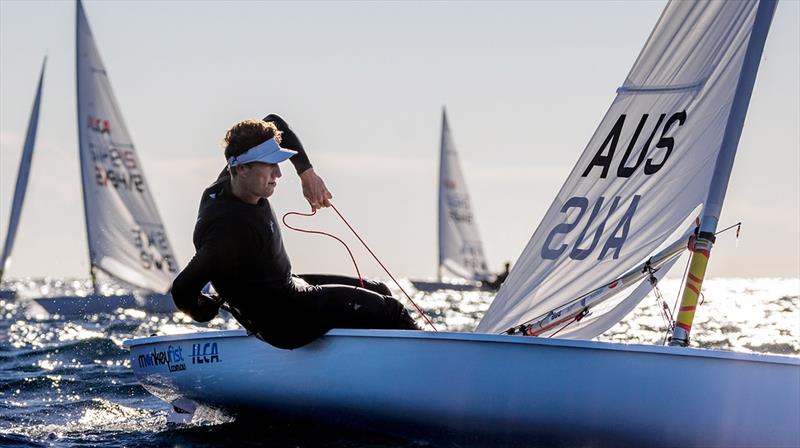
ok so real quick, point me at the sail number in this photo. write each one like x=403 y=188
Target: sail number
x=587 y=242
x=458 y=208
x=580 y=248
x=653 y=164
x=472 y=257
x=113 y=166
x=154 y=250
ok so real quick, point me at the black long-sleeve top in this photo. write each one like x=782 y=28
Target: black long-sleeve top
x=238 y=246
x=289 y=140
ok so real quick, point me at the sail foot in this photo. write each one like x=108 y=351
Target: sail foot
x=701 y=251
x=581 y=307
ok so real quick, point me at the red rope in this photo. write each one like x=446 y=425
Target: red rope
x=572 y=321
x=578 y=317
x=316 y=232
x=422 y=313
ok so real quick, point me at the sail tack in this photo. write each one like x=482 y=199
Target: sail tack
x=127 y=239
x=25 y=162
x=640 y=181
x=460 y=246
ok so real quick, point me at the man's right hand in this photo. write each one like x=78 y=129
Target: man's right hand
x=314 y=189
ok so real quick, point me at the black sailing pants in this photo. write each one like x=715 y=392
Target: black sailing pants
x=317 y=303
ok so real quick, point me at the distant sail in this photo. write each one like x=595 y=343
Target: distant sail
x=21 y=187
x=643 y=178
x=460 y=247
x=126 y=237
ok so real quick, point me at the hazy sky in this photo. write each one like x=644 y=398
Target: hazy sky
x=525 y=85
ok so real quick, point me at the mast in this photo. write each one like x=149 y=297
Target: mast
x=78 y=48
x=722 y=171
x=23 y=172
x=442 y=149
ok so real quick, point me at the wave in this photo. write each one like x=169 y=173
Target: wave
x=90 y=348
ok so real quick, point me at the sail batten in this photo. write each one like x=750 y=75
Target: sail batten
x=631 y=89
x=127 y=239
x=645 y=169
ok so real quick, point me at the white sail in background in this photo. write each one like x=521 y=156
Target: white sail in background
x=645 y=171
x=460 y=247
x=126 y=237
x=23 y=173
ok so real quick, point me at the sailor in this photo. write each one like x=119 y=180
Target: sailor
x=501 y=277
x=239 y=250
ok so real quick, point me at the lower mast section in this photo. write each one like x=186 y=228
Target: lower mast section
x=701 y=251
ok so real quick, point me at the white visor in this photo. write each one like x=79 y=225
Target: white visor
x=268 y=152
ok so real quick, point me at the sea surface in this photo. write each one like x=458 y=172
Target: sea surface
x=68 y=382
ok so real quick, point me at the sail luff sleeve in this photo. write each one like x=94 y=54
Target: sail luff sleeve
x=81 y=27
x=441 y=210
x=733 y=131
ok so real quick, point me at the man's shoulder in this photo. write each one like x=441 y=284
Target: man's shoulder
x=215 y=190
x=223 y=181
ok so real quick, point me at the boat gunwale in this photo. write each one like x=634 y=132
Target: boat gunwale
x=488 y=338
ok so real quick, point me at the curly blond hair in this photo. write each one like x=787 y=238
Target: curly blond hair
x=247 y=134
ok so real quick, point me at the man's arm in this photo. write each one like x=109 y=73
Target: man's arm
x=188 y=286
x=314 y=188
x=221 y=242
x=290 y=140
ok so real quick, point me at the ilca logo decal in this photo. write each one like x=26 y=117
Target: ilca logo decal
x=205 y=353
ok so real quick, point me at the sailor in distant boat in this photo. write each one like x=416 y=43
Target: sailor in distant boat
x=241 y=252
x=501 y=277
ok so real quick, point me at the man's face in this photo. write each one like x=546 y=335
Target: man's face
x=260 y=179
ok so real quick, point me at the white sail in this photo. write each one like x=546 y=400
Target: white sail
x=460 y=246
x=127 y=239
x=21 y=187
x=644 y=172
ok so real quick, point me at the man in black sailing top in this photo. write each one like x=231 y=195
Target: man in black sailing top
x=239 y=250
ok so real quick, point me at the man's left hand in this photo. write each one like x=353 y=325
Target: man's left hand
x=314 y=189
x=206 y=308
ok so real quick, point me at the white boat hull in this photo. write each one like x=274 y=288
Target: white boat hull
x=478 y=389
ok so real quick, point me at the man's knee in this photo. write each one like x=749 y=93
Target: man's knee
x=399 y=316
x=378 y=287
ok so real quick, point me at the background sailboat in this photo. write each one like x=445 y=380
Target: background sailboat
x=127 y=239
x=23 y=173
x=689 y=89
x=460 y=246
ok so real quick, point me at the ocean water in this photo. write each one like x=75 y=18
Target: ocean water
x=68 y=382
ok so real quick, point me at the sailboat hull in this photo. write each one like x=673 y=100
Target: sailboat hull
x=94 y=304
x=478 y=389
x=431 y=286
x=7 y=294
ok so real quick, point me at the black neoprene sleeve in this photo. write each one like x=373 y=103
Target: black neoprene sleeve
x=291 y=141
